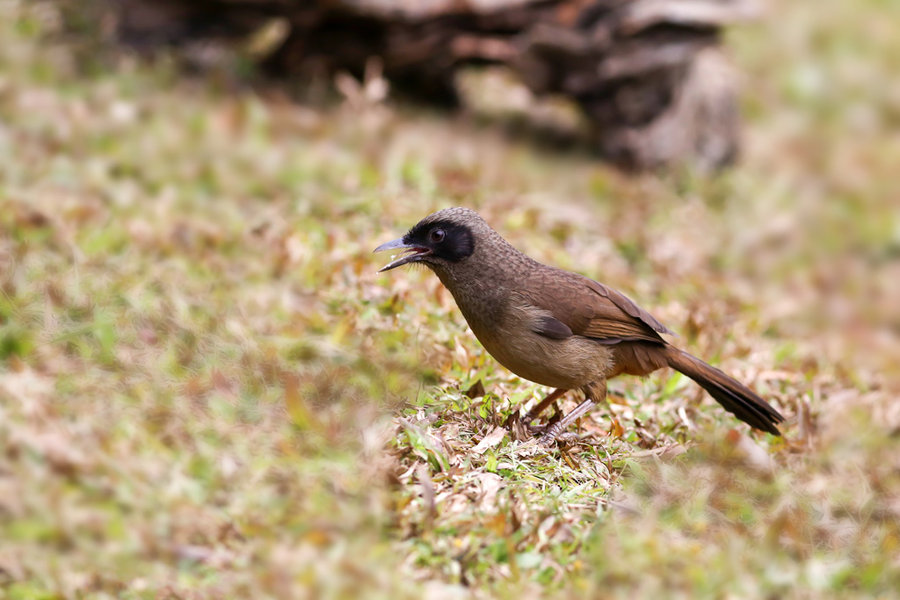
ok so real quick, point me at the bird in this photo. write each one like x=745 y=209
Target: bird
x=555 y=327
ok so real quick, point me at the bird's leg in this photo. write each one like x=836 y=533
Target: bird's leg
x=593 y=393
x=554 y=430
x=556 y=416
x=532 y=414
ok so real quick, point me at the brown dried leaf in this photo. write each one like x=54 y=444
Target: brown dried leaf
x=476 y=390
x=494 y=437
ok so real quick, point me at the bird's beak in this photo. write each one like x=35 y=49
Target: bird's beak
x=410 y=253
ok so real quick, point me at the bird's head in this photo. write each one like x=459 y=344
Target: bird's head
x=440 y=240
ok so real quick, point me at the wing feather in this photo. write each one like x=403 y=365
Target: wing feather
x=590 y=309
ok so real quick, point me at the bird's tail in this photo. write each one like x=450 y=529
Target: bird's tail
x=733 y=395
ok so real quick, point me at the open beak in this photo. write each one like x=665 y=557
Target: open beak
x=410 y=253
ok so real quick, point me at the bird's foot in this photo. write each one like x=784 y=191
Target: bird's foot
x=550 y=434
x=569 y=437
x=555 y=428
x=522 y=429
x=536 y=430
x=536 y=411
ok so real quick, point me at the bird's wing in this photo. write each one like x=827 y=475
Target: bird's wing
x=551 y=327
x=588 y=308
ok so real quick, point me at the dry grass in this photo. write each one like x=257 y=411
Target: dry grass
x=207 y=391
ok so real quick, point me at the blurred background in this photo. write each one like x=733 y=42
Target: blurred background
x=207 y=390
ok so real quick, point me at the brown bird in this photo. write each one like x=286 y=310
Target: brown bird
x=554 y=327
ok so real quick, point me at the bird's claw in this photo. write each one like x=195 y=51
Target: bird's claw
x=550 y=435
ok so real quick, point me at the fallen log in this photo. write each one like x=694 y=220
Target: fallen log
x=650 y=75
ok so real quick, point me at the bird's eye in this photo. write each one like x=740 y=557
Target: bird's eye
x=437 y=236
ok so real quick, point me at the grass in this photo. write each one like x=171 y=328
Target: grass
x=207 y=391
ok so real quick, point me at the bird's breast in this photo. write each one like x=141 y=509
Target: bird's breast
x=507 y=331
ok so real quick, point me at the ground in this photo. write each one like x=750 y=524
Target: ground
x=208 y=391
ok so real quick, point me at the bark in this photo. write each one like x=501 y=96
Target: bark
x=649 y=74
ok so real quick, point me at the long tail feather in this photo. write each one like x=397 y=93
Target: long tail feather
x=733 y=395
